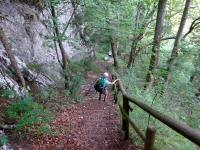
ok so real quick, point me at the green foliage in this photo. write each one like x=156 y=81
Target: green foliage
x=76 y=77
x=101 y=56
x=7 y=93
x=30 y=116
x=184 y=106
x=161 y=72
x=3 y=140
x=81 y=67
x=35 y=66
x=91 y=66
x=75 y=83
x=47 y=94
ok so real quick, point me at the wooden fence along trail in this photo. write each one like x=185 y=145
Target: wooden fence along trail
x=181 y=128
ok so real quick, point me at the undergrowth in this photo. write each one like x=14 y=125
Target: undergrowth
x=56 y=96
x=28 y=113
x=179 y=96
x=30 y=117
x=3 y=140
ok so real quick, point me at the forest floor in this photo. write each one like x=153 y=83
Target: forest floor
x=89 y=125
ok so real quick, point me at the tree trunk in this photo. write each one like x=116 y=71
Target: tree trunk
x=132 y=53
x=134 y=49
x=56 y=48
x=174 y=53
x=157 y=40
x=114 y=53
x=135 y=40
x=11 y=56
x=65 y=57
x=142 y=28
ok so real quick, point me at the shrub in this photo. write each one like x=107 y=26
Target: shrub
x=7 y=93
x=83 y=66
x=91 y=66
x=75 y=83
x=3 y=140
x=30 y=116
x=35 y=66
x=76 y=77
x=101 y=56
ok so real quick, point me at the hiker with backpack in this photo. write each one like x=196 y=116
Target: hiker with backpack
x=102 y=84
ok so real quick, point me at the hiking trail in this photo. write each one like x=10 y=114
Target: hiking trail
x=89 y=125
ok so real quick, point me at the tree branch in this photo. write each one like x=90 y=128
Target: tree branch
x=192 y=27
x=68 y=23
x=168 y=38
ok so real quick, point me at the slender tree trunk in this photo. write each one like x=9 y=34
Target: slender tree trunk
x=157 y=40
x=132 y=53
x=56 y=49
x=114 y=52
x=134 y=50
x=135 y=40
x=11 y=56
x=65 y=58
x=94 y=50
x=174 y=53
x=69 y=21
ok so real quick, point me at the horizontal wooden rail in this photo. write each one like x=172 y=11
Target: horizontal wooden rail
x=183 y=129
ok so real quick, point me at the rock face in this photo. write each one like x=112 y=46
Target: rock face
x=28 y=31
x=6 y=81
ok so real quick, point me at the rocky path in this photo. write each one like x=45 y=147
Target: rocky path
x=90 y=125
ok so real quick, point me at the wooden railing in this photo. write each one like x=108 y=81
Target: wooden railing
x=181 y=128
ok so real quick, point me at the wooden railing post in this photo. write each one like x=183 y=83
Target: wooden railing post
x=116 y=94
x=125 y=123
x=150 y=138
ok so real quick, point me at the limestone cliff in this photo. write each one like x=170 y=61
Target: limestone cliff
x=28 y=30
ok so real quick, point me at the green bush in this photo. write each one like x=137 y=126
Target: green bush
x=7 y=93
x=101 y=56
x=75 y=83
x=84 y=66
x=35 y=66
x=46 y=94
x=30 y=116
x=76 y=77
x=3 y=140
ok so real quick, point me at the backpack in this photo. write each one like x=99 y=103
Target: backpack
x=98 y=86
